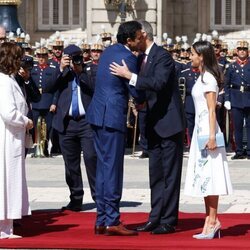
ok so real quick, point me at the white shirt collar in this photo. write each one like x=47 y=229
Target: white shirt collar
x=149 y=48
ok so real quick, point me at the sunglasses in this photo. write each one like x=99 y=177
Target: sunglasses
x=217 y=46
x=58 y=47
x=242 y=48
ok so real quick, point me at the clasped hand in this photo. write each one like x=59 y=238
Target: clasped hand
x=119 y=70
x=211 y=144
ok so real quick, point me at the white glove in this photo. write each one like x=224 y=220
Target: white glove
x=227 y=105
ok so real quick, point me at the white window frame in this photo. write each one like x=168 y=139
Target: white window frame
x=233 y=25
x=61 y=26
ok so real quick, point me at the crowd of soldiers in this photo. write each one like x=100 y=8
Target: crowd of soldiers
x=233 y=103
x=40 y=65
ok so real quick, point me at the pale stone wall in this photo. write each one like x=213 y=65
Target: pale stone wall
x=176 y=17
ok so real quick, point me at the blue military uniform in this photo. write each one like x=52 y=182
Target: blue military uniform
x=220 y=110
x=189 y=75
x=237 y=91
x=44 y=77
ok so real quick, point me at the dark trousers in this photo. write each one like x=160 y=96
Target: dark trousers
x=142 y=129
x=110 y=145
x=238 y=116
x=77 y=138
x=165 y=165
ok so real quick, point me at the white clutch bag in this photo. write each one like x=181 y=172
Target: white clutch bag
x=203 y=139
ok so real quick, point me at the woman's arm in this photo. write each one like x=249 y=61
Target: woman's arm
x=211 y=103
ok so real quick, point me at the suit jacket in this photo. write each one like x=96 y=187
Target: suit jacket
x=30 y=90
x=165 y=110
x=110 y=101
x=64 y=96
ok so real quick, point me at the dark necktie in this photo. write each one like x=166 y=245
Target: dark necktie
x=143 y=63
x=75 y=106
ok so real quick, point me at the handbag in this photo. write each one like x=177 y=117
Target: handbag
x=28 y=140
x=203 y=139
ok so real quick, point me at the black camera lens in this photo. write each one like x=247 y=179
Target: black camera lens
x=77 y=59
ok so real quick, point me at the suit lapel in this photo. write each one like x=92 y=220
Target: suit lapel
x=150 y=59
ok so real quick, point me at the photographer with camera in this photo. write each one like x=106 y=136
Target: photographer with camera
x=75 y=92
x=29 y=89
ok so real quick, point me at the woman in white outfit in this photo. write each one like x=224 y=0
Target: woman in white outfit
x=207 y=171
x=13 y=124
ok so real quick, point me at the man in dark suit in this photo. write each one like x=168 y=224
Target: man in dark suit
x=108 y=113
x=164 y=131
x=75 y=134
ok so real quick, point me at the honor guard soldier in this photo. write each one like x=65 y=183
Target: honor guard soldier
x=91 y=68
x=179 y=66
x=174 y=50
x=187 y=80
x=57 y=50
x=185 y=53
x=223 y=63
x=237 y=97
x=86 y=53
x=44 y=75
x=106 y=39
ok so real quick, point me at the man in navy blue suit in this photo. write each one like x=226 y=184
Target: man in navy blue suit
x=107 y=113
x=164 y=131
x=74 y=92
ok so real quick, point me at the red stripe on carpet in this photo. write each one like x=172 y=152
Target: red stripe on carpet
x=69 y=230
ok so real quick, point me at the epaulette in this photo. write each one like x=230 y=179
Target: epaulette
x=88 y=62
x=177 y=60
x=184 y=70
x=52 y=66
x=220 y=64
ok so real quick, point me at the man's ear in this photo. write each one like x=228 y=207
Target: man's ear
x=129 y=40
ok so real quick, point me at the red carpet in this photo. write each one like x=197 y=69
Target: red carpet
x=69 y=230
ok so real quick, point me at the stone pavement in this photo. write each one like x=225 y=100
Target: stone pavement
x=48 y=190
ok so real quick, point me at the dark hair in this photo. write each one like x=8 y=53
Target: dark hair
x=10 y=58
x=127 y=30
x=210 y=63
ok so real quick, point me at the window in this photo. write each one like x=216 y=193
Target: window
x=230 y=14
x=61 y=14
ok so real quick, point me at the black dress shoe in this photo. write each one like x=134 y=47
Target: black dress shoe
x=163 y=229
x=100 y=229
x=143 y=155
x=147 y=227
x=238 y=157
x=73 y=207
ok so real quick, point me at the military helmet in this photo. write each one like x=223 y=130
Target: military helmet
x=97 y=46
x=42 y=50
x=242 y=44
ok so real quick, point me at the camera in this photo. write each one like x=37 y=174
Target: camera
x=27 y=63
x=77 y=59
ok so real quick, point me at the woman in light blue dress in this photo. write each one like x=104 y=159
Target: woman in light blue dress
x=207 y=171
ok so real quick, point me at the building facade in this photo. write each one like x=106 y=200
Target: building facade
x=41 y=18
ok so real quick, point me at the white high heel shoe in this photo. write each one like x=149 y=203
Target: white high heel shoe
x=214 y=232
